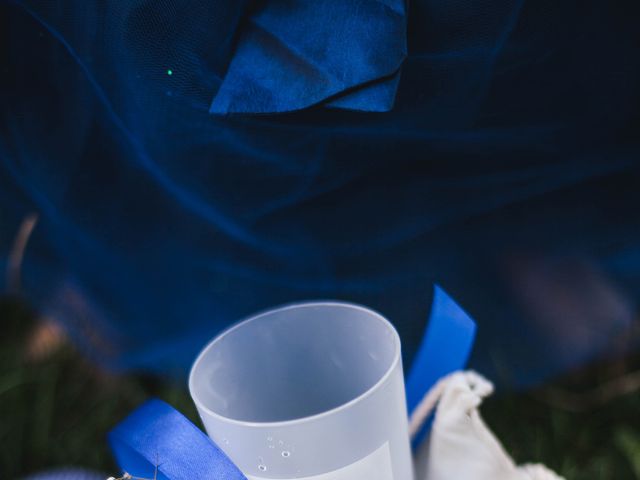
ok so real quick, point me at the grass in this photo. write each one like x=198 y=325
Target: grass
x=57 y=412
x=598 y=443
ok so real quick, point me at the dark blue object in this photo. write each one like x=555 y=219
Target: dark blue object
x=68 y=473
x=505 y=171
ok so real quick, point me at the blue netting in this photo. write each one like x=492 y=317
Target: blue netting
x=505 y=171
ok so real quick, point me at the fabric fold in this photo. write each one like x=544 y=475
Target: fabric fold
x=298 y=53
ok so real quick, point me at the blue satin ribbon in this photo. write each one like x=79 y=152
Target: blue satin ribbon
x=157 y=436
x=445 y=348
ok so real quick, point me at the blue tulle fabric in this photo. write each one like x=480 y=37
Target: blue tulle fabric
x=195 y=161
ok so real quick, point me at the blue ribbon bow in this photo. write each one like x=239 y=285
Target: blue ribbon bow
x=157 y=441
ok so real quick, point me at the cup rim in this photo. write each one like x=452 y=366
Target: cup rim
x=309 y=418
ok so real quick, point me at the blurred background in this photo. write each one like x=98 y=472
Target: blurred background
x=137 y=221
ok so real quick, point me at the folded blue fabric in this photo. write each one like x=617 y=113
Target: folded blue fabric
x=293 y=54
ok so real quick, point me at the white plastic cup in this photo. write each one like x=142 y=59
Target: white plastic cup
x=307 y=390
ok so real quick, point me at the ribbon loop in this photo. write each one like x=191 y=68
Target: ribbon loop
x=156 y=438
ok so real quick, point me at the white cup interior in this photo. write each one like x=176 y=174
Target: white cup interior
x=294 y=362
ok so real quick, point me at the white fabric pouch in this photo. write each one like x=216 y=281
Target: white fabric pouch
x=461 y=446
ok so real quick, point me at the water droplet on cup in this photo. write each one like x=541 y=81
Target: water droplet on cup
x=262 y=468
x=286 y=453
